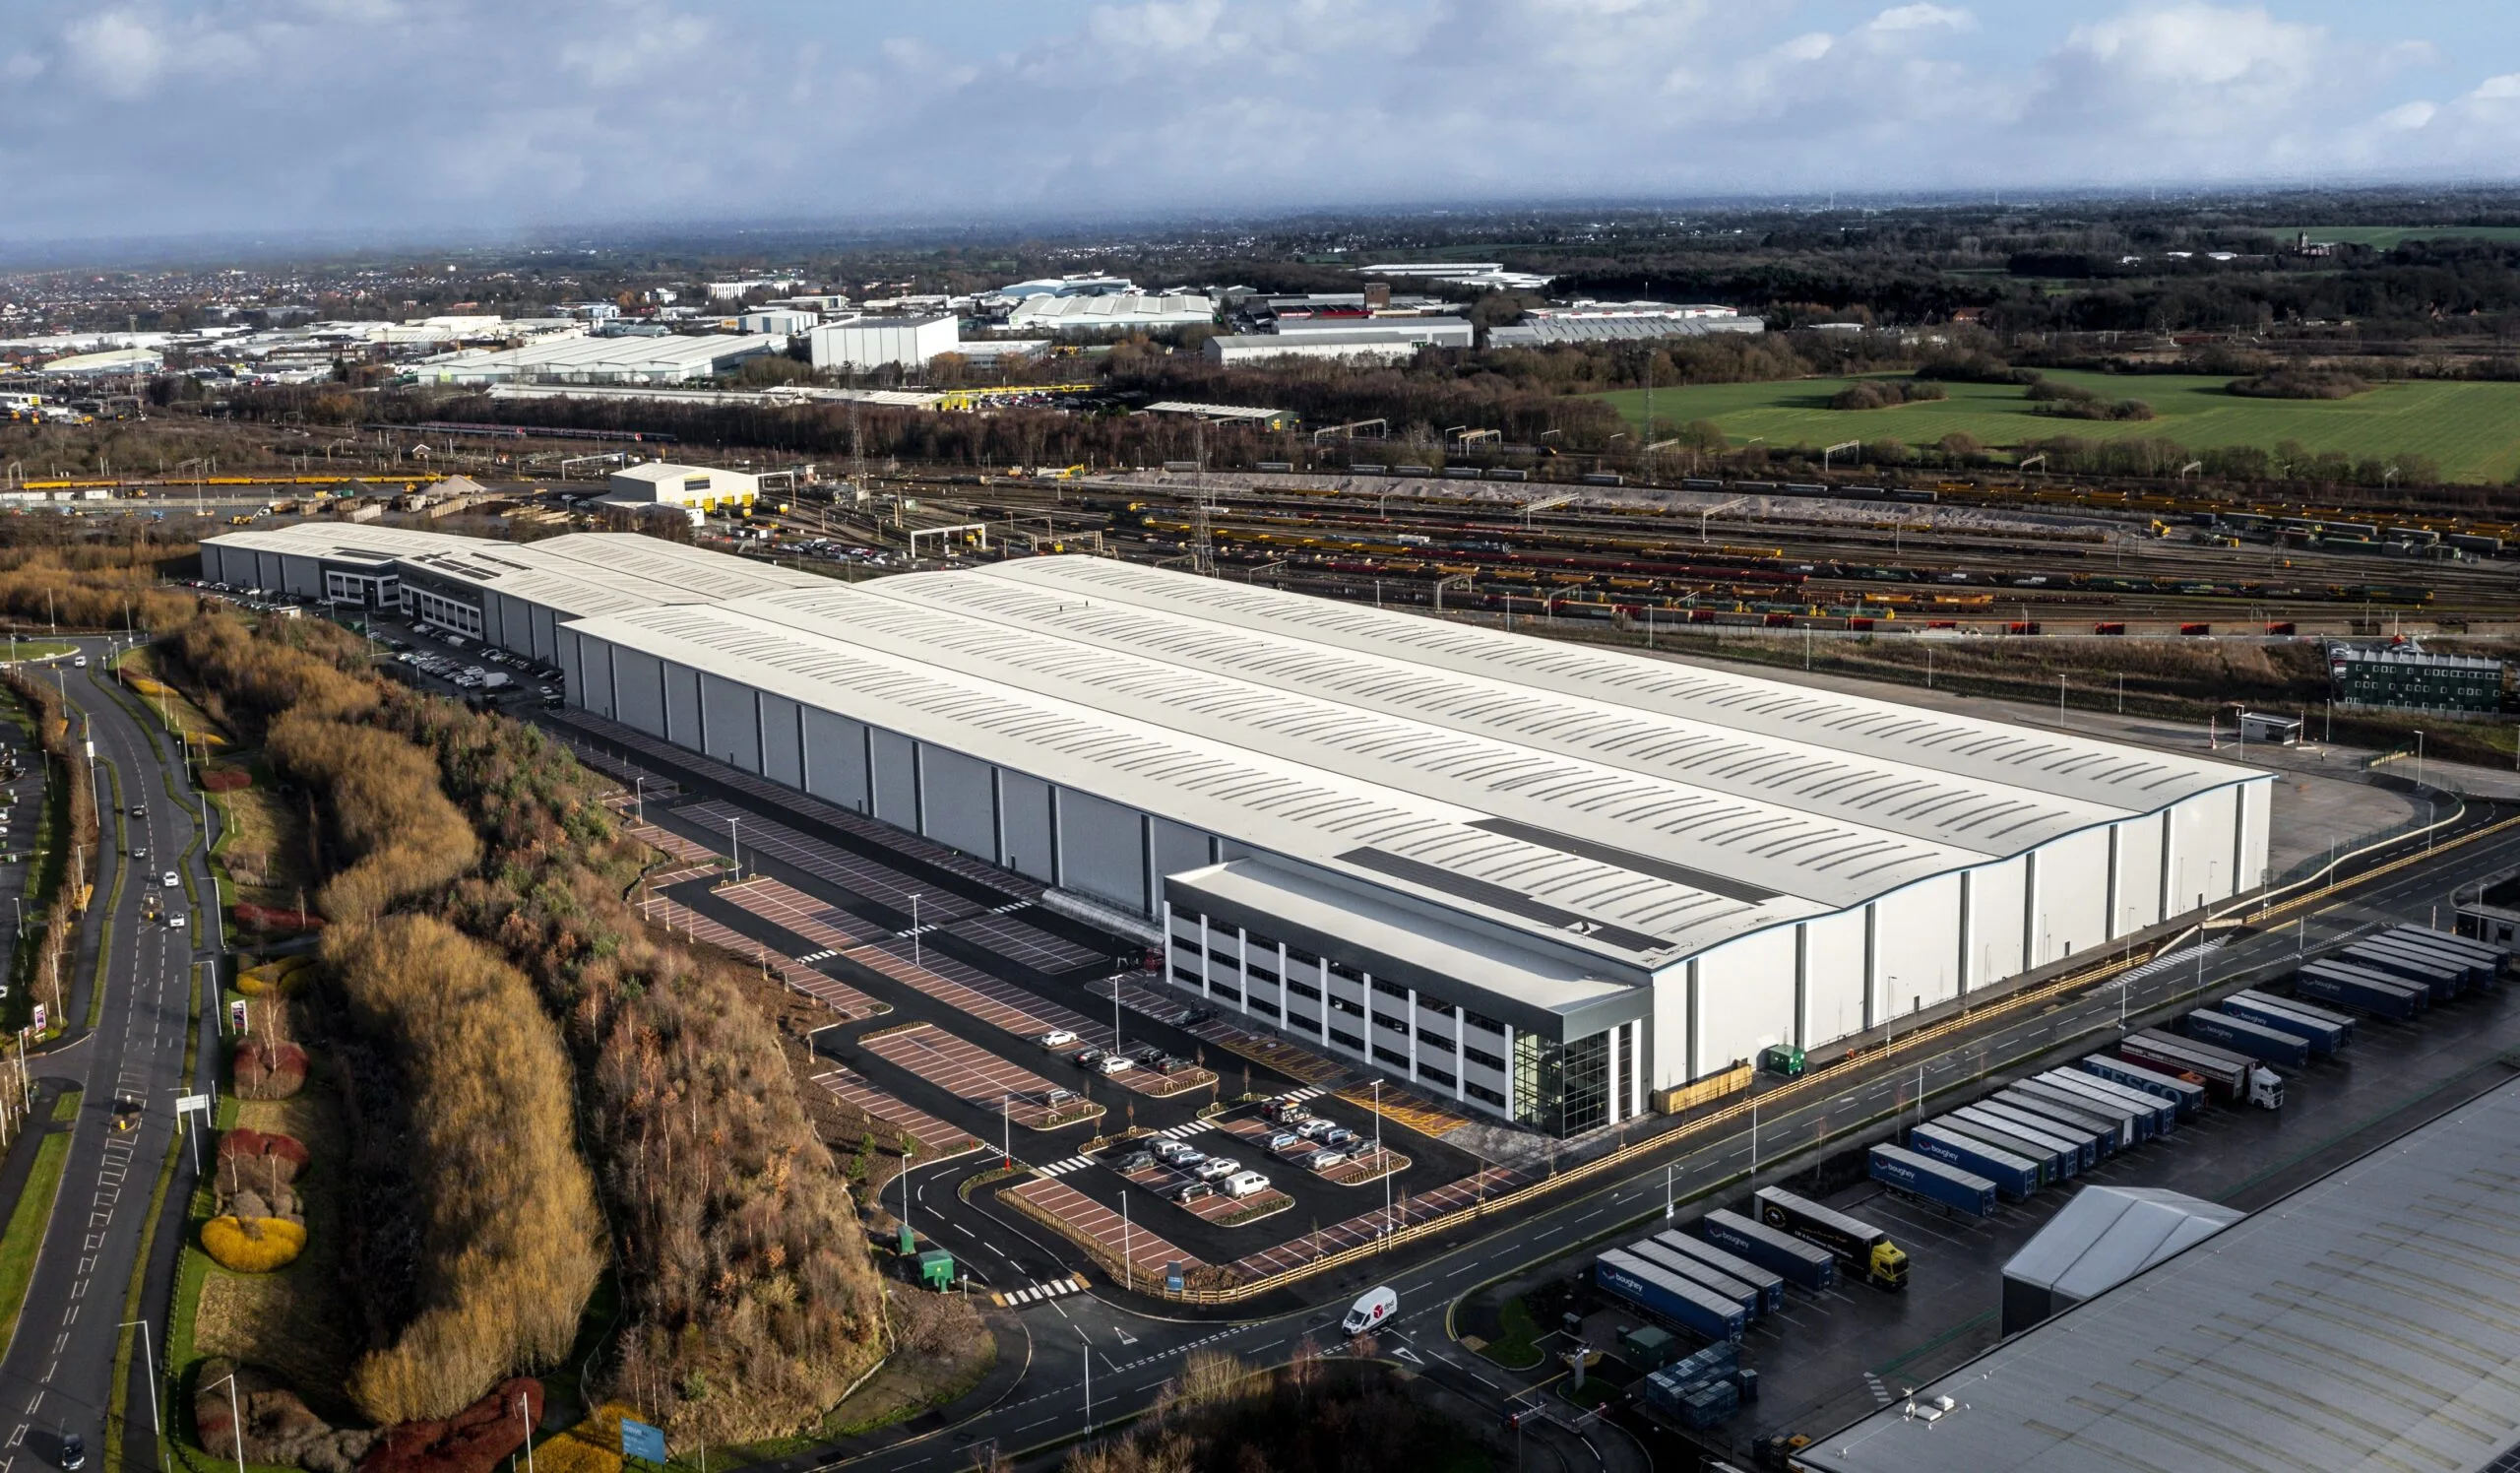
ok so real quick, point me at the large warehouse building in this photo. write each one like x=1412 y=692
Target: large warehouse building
x=1539 y=879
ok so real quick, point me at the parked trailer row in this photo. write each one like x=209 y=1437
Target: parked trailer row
x=1660 y=1292
x=2478 y=963
x=2015 y=1177
x=1935 y=1181
x=2059 y=1159
x=2122 y=1122
x=2233 y=1077
x=2185 y=1096
x=1800 y=1262
x=2096 y=1137
x=2442 y=978
x=2156 y=1116
x=1689 y=1271
x=2256 y=1041
x=2344 y=985
x=1862 y=1248
x=2326 y=1033
x=1769 y=1283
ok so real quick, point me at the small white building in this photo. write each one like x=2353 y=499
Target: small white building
x=697 y=490
x=1372 y=341
x=788 y=321
x=880 y=342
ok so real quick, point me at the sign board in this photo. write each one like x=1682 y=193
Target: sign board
x=236 y=1014
x=43 y=1017
x=192 y=1102
x=642 y=1441
x=1172 y=1281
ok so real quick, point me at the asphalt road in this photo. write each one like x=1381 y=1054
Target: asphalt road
x=1133 y=1352
x=57 y=1378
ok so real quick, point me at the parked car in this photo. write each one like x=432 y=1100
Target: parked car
x=1245 y=1183
x=1135 y=1161
x=1055 y=1097
x=1191 y=1192
x=1057 y=1038
x=1217 y=1168
x=1170 y=1063
x=1326 y=1157
x=1314 y=1127
x=1285 y=1143
x=1086 y=1058
x=1115 y=1063
x=1339 y=1136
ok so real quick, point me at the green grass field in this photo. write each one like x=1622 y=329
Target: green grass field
x=2389 y=237
x=2472 y=430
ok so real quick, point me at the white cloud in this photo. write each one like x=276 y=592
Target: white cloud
x=279 y=113
x=1923 y=17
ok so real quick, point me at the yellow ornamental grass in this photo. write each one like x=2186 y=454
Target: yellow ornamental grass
x=592 y=1446
x=252 y=1244
x=283 y=976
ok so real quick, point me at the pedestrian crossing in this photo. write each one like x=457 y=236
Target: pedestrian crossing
x=2184 y=956
x=1063 y=1168
x=1035 y=1294
x=1010 y=907
x=1880 y=1393
x=1308 y=1092
x=1192 y=1128
x=824 y=955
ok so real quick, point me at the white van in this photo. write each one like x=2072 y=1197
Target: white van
x=1378 y=1306
x=1244 y=1184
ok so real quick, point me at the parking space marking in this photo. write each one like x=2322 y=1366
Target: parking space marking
x=1030 y=946
x=1080 y=1213
x=977 y=1077
x=933 y=1135
x=847 y=1001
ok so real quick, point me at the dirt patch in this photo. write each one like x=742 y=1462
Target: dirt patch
x=941 y=1349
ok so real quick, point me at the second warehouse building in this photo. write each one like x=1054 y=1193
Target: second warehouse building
x=1539 y=879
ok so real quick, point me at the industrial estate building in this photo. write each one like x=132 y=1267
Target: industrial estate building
x=1345 y=339
x=2414 y=679
x=881 y=341
x=641 y=360
x=1538 y=879
x=2368 y=1321
x=696 y=489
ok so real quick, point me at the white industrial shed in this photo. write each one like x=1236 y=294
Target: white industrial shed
x=1538 y=878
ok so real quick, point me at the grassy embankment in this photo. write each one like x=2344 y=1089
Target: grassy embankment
x=2472 y=430
x=23 y=1238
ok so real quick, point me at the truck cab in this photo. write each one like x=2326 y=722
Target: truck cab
x=1887 y=1267
x=2265 y=1088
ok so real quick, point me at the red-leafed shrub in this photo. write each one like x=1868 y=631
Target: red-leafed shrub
x=268 y=1071
x=274 y=920
x=475 y=1439
x=226 y=779
x=249 y=1158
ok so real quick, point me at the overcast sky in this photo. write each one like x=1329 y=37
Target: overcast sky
x=159 y=117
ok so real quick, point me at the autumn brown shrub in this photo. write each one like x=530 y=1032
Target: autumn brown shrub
x=249 y=1157
x=510 y=1240
x=385 y=810
x=269 y=1070
x=67 y=764
x=273 y=921
x=226 y=779
x=477 y=1438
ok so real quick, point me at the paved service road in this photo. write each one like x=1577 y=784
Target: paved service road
x=56 y=1376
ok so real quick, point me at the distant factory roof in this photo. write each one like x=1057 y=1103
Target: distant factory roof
x=2368 y=1321
x=629 y=359
x=1542 y=331
x=1198 y=411
x=1119 y=310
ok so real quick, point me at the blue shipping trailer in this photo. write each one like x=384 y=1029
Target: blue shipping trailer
x=1688 y=1270
x=2062 y=1157
x=2360 y=967
x=2109 y=1125
x=1769 y=1283
x=2132 y=1126
x=2089 y=1141
x=2256 y=1040
x=1656 y=1291
x=1935 y=1181
x=2015 y=1177
x=2186 y=1097
x=2165 y=1115
x=2485 y=955
x=2346 y=987
x=2051 y=1170
x=1800 y=1262
x=2323 y=1035
x=2472 y=970
x=2141 y=1121
x=2080 y=1150
x=2444 y=978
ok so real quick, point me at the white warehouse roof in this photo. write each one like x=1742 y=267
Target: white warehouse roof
x=1622 y=806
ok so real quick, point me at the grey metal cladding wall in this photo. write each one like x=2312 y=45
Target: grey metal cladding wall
x=546 y=638
x=896 y=782
x=733 y=722
x=958 y=803
x=303 y=575
x=836 y=759
x=1177 y=848
x=638 y=689
x=494 y=616
x=682 y=705
x=1024 y=812
x=782 y=760
x=1102 y=848
x=267 y=569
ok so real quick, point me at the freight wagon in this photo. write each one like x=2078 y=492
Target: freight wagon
x=1935 y=1181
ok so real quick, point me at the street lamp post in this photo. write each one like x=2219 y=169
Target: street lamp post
x=916 y=957
x=236 y=1414
x=734 y=845
x=148 y=1363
